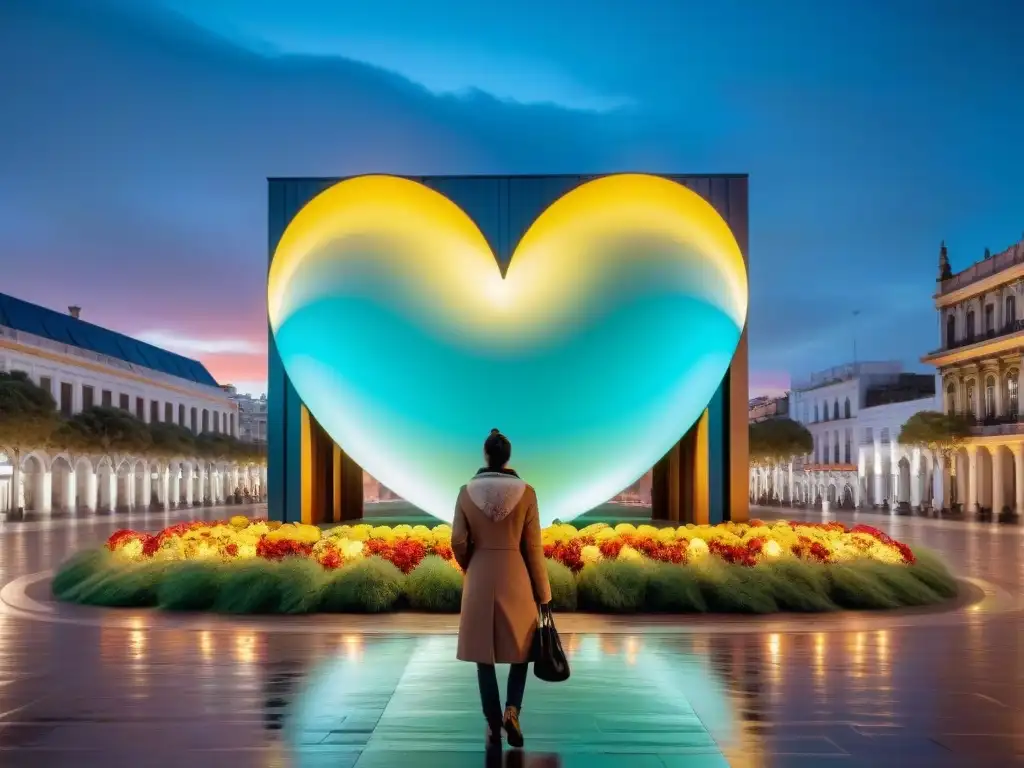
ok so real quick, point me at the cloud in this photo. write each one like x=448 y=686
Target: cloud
x=193 y=347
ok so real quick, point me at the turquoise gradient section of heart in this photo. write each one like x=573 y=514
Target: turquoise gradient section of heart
x=590 y=405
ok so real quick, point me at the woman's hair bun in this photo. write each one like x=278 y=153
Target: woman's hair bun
x=495 y=431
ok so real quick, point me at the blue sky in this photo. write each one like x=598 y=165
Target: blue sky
x=137 y=135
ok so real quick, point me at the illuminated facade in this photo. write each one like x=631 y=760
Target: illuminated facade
x=330 y=274
x=981 y=334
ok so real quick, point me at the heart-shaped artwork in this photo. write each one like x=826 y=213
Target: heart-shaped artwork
x=599 y=348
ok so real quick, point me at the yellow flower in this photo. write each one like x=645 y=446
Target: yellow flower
x=772 y=549
x=646 y=530
x=698 y=549
x=382 y=532
x=239 y=521
x=131 y=549
x=605 y=533
x=403 y=530
x=665 y=535
x=350 y=549
x=625 y=528
x=590 y=554
x=629 y=554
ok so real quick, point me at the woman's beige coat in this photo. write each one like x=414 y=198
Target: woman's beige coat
x=496 y=540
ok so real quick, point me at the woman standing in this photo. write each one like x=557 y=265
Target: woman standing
x=496 y=540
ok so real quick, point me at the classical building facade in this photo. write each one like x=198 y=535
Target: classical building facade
x=83 y=365
x=766 y=407
x=252 y=416
x=854 y=414
x=981 y=343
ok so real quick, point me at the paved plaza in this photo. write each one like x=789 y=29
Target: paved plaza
x=85 y=687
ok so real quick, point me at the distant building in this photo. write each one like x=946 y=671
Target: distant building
x=981 y=344
x=84 y=365
x=252 y=416
x=854 y=413
x=764 y=408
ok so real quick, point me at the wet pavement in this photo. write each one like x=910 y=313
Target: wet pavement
x=141 y=689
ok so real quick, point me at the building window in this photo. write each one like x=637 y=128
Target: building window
x=125 y=402
x=1011 y=395
x=869 y=435
x=990 y=319
x=181 y=414
x=107 y=398
x=969 y=330
x=885 y=435
x=951 y=399
x=66 y=399
x=835 y=410
x=825 y=461
x=154 y=411
x=169 y=413
x=46 y=383
x=140 y=408
x=990 y=397
x=950 y=330
x=849 y=439
x=969 y=408
x=195 y=421
x=824 y=411
x=837 y=447
x=815 y=412
x=231 y=430
x=1011 y=312
x=206 y=420
x=216 y=421
x=88 y=397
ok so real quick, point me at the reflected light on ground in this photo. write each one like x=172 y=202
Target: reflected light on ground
x=205 y=638
x=353 y=645
x=245 y=648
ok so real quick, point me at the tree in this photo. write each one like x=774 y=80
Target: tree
x=170 y=440
x=28 y=417
x=776 y=441
x=941 y=433
x=103 y=430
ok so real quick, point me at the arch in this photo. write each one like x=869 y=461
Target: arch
x=42 y=458
x=951 y=397
x=902 y=490
x=832 y=493
x=847 y=411
x=950 y=329
x=848 y=497
x=63 y=488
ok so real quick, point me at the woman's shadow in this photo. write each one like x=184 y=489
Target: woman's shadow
x=519 y=759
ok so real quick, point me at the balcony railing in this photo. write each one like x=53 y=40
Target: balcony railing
x=1010 y=257
x=1015 y=326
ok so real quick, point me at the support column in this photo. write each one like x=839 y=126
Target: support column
x=70 y=492
x=202 y=484
x=234 y=479
x=147 y=487
x=790 y=479
x=131 y=502
x=187 y=479
x=940 y=487
x=879 y=486
x=998 y=490
x=44 y=491
x=972 y=478
x=110 y=484
x=862 y=473
x=915 y=478
x=164 y=489
x=1018 y=471
x=91 y=490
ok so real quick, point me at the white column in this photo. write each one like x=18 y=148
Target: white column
x=186 y=478
x=215 y=486
x=940 y=488
x=972 y=478
x=147 y=487
x=263 y=480
x=164 y=478
x=879 y=486
x=790 y=481
x=915 y=478
x=862 y=471
x=111 y=486
x=70 y=491
x=202 y=483
x=129 y=487
x=17 y=483
x=44 y=491
x=91 y=490
x=998 y=491
x=1018 y=469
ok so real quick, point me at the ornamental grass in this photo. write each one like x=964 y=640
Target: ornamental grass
x=243 y=567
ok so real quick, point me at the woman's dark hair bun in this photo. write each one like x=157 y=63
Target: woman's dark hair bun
x=495 y=431
x=498 y=449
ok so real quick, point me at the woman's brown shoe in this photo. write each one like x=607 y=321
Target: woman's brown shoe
x=513 y=732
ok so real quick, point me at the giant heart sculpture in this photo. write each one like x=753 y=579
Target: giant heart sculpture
x=599 y=348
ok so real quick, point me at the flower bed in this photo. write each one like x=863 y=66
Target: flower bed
x=242 y=566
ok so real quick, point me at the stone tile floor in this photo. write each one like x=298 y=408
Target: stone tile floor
x=145 y=691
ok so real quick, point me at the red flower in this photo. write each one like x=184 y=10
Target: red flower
x=277 y=550
x=610 y=548
x=231 y=549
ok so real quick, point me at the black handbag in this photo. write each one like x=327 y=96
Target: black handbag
x=549 y=662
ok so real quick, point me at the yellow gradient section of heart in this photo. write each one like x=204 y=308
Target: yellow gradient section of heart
x=433 y=244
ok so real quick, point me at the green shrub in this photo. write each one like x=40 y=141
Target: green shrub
x=855 y=587
x=614 y=586
x=734 y=588
x=301 y=585
x=77 y=569
x=798 y=586
x=907 y=589
x=563 y=586
x=252 y=587
x=674 y=589
x=434 y=586
x=191 y=586
x=367 y=586
x=933 y=573
x=120 y=585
